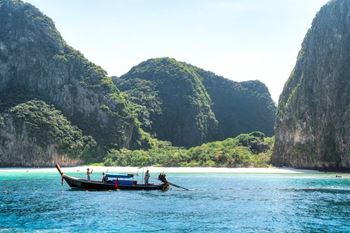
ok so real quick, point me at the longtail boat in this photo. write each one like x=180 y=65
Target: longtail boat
x=114 y=182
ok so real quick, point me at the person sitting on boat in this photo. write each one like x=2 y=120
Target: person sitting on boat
x=147 y=176
x=104 y=177
x=88 y=173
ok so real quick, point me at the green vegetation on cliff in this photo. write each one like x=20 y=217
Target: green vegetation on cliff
x=48 y=126
x=188 y=106
x=239 y=107
x=36 y=63
x=172 y=101
x=245 y=150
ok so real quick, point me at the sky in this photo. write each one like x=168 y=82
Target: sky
x=238 y=39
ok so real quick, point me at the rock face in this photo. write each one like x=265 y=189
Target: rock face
x=36 y=63
x=312 y=127
x=36 y=134
x=239 y=107
x=174 y=101
x=188 y=106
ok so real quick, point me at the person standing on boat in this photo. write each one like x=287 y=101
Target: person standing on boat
x=104 y=177
x=147 y=176
x=88 y=173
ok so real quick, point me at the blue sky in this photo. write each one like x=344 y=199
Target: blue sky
x=238 y=39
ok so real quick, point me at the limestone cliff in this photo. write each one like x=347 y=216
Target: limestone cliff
x=312 y=127
x=36 y=134
x=239 y=107
x=188 y=106
x=36 y=63
x=173 y=101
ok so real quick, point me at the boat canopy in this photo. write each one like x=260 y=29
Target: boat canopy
x=128 y=176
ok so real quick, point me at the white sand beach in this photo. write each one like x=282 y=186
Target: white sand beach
x=269 y=170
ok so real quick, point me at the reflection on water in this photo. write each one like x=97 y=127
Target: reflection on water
x=215 y=203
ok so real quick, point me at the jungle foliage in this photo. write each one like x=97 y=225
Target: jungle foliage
x=245 y=150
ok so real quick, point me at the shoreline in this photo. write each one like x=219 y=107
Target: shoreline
x=269 y=170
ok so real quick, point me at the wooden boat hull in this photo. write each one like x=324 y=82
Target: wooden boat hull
x=84 y=184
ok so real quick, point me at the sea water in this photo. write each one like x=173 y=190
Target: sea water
x=36 y=202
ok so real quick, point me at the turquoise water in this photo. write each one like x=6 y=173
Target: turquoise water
x=36 y=202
